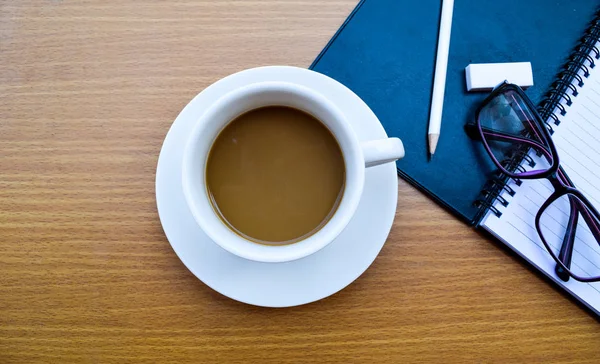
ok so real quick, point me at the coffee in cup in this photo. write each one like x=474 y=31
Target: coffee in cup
x=275 y=175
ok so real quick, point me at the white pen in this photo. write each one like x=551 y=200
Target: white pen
x=439 y=81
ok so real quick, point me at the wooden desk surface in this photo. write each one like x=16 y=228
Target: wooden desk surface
x=88 y=90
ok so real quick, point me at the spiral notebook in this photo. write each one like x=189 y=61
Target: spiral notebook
x=575 y=119
x=385 y=52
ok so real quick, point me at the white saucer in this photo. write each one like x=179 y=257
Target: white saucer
x=278 y=284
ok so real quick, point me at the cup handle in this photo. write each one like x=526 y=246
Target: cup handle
x=382 y=151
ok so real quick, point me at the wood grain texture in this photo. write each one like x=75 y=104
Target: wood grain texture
x=88 y=90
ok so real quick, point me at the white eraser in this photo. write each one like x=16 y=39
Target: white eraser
x=486 y=76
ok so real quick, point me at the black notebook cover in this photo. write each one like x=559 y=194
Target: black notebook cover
x=385 y=52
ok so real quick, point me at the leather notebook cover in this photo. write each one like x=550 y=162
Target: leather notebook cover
x=385 y=53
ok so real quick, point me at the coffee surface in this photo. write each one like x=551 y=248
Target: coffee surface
x=275 y=175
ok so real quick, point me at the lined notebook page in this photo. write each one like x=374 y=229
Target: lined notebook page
x=577 y=139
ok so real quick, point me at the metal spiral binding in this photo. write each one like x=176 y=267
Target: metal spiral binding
x=561 y=81
x=566 y=73
x=582 y=60
x=527 y=159
x=509 y=190
x=561 y=95
x=485 y=205
x=587 y=48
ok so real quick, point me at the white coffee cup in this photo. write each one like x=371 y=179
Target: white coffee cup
x=357 y=156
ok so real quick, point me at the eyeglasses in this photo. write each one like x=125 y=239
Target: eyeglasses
x=508 y=124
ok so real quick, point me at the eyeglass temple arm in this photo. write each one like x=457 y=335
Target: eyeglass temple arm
x=566 y=249
x=591 y=222
x=577 y=207
x=562 y=175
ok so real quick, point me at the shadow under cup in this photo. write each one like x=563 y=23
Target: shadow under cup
x=218 y=117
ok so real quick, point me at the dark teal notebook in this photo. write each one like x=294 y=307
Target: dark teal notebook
x=385 y=52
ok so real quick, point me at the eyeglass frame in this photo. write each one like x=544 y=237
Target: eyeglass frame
x=555 y=175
